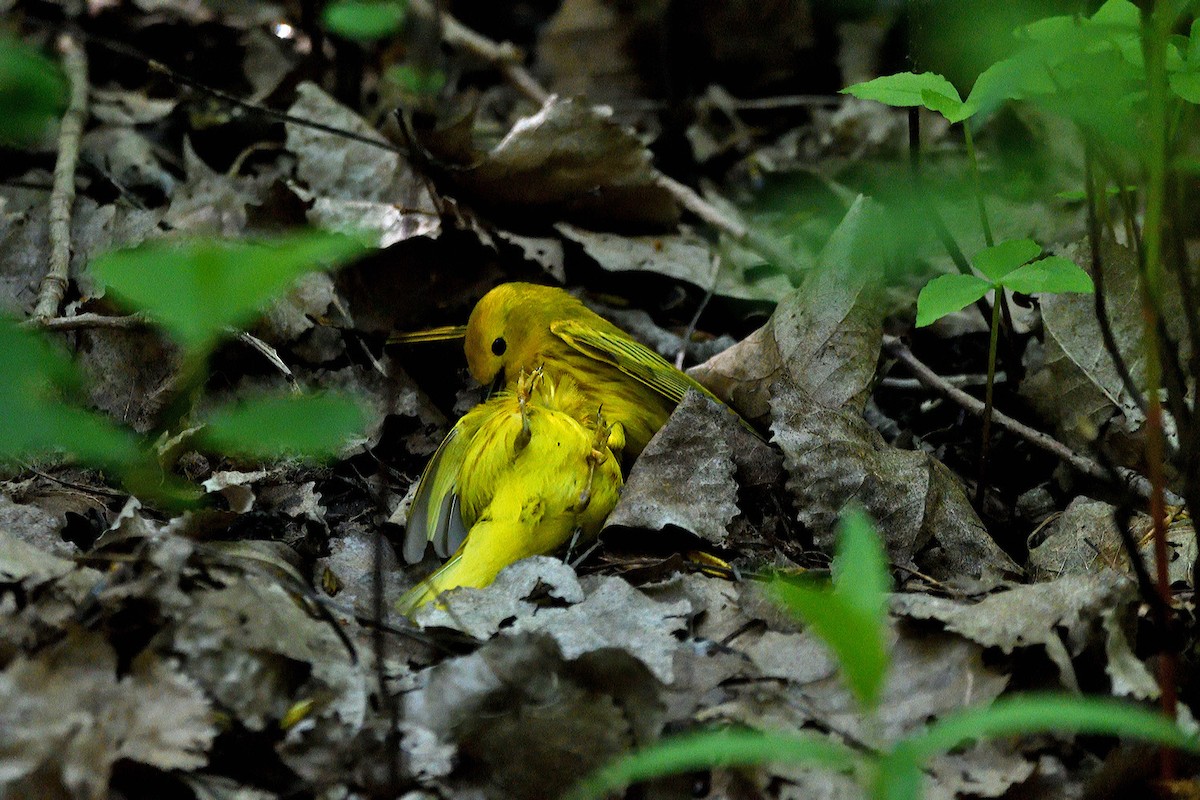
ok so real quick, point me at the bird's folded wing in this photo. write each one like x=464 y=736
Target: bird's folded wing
x=434 y=515
x=635 y=360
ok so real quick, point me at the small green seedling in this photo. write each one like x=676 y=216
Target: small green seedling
x=33 y=92
x=365 y=20
x=850 y=616
x=1008 y=265
x=198 y=291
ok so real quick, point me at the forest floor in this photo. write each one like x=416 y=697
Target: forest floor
x=249 y=648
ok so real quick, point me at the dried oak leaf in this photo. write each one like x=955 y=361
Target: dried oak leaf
x=1075 y=384
x=354 y=185
x=824 y=337
x=481 y=614
x=685 y=476
x=567 y=161
x=1063 y=617
x=529 y=720
x=66 y=718
x=834 y=458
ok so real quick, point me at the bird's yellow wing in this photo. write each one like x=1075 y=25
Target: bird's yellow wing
x=434 y=515
x=634 y=359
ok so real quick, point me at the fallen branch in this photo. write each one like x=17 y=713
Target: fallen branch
x=62 y=196
x=1081 y=463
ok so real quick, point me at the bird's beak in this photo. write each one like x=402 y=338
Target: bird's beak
x=497 y=383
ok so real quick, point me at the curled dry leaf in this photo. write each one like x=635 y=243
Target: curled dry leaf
x=834 y=458
x=528 y=721
x=481 y=613
x=1062 y=617
x=824 y=336
x=568 y=161
x=685 y=476
x=1075 y=383
x=681 y=256
x=355 y=185
x=66 y=718
x=1084 y=539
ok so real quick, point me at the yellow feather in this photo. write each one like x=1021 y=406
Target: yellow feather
x=520 y=326
x=534 y=468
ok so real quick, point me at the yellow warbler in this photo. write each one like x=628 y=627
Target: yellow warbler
x=519 y=475
x=520 y=326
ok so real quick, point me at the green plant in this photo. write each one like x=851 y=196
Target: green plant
x=33 y=91
x=365 y=20
x=1007 y=265
x=850 y=616
x=1128 y=79
x=197 y=291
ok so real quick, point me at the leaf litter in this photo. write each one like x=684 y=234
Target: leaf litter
x=232 y=651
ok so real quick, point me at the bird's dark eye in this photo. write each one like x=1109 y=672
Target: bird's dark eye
x=499 y=346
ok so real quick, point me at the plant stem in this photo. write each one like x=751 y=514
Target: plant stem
x=969 y=140
x=989 y=239
x=1154 y=44
x=981 y=487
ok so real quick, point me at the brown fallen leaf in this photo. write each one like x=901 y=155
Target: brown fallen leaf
x=824 y=336
x=567 y=161
x=835 y=458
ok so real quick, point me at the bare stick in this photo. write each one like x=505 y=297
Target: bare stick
x=62 y=197
x=81 y=321
x=272 y=356
x=1079 y=462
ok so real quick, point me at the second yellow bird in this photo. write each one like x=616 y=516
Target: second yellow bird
x=530 y=469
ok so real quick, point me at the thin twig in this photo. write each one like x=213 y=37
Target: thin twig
x=89 y=320
x=691 y=328
x=958 y=381
x=58 y=273
x=281 y=116
x=737 y=230
x=272 y=356
x=1081 y=463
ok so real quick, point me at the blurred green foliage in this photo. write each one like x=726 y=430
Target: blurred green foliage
x=365 y=20
x=33 y=92
x=197 y=290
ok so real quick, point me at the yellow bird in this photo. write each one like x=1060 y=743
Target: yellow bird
x=520 y=326
x=519 y=475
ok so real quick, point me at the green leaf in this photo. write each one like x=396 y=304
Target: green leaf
x=860 y=568
x=33 y=91
x=1001 y=259
x=949 y=107
x=908 y=89
x=1186 y=85
x=1033 y=713
x=415 y=80
x=38 y=417
x=267 y=427
x=716 y=749
x=365 y=20
x=198 y=288
x=946 y=294
x=850 y=617
x=1119 y=14
x=898 y=775
x=1053 y=274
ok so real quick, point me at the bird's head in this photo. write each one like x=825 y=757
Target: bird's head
x=488 y=344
